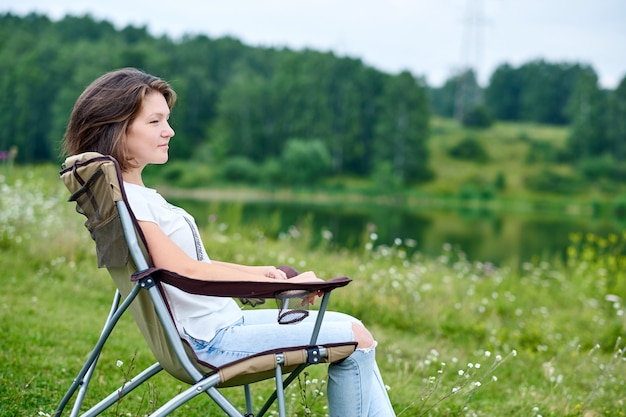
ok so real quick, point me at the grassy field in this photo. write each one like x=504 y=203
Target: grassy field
x=455 y=338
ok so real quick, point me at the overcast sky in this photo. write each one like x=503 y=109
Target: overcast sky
x=430 y=38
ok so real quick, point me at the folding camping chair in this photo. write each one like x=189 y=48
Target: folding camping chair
x=96 y=186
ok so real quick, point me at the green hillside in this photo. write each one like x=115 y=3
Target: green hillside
x=508 y=147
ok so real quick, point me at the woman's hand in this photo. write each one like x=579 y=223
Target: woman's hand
x=306 y=277
x=273 y=272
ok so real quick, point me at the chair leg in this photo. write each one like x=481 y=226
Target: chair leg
x=84 y=376
x=207 y=386
x=79 y=384
x=125 y=389
x=280 y=392
x=249 y=408
x=82 y=391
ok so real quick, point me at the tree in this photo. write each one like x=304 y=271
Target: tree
x=402 y=128
x=241 y=126
x=305 y=161
x=615 y=129
x=546 y=90
x=468 y=94
x=586 y=111
x=502 y=95
x=457 y=96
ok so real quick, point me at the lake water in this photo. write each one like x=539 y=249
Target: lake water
x=482 y=235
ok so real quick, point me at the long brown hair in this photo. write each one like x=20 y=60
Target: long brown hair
x=106 y=108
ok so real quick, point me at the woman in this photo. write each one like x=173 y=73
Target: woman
x=125 y=114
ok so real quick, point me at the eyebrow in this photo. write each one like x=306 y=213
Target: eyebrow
x=159 y=114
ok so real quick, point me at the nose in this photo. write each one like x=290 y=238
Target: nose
x=169 y=132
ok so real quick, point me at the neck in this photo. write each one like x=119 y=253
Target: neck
x=133 y=177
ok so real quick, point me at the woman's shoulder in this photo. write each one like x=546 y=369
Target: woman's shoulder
x=142 y=199
x=134 y=191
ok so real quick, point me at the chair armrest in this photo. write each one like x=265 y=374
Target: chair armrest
x=241 y=289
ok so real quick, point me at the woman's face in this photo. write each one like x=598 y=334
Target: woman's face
x=148 y=136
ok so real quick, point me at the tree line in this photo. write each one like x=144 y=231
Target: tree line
x=264 y=107
x=548 y=93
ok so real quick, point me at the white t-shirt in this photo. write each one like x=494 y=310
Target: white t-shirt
x=199 y=316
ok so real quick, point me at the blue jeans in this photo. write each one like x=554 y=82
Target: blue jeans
x=355 y=386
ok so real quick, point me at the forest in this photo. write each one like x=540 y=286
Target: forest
x=250 y=110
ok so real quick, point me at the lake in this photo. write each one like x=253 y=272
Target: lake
x=483 y=235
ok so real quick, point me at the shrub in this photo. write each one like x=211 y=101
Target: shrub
x=500 y=181
x=305 y=161
x=598 y=167
x=240 y=169
x=183 y=174
x=551 y=181
x=541 y=151
x=478 y=116
x=272 y=172
x=384 y=178
x=469 y=149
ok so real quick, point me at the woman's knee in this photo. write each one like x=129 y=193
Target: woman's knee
x=362 y=336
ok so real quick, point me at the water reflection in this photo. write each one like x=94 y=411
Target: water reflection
x=482 y=235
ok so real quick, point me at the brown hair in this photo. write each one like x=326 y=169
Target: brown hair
x=106 y=108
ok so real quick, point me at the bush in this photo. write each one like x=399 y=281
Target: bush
x=272 y=172
x=500 y=181
x=597 y=167
x=183 y=174
x=385 y=181
x=478 y=116
x=541 y=151
x=551 y=181
x=240 y=169
x=305 y=161
x=469 y=149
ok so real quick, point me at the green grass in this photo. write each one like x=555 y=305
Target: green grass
x=455 y=338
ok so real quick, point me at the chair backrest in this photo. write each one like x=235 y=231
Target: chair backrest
x=96 y=185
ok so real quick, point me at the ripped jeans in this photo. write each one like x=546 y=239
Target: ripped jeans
x=355 y=386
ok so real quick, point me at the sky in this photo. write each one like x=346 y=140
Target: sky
x=433 y=39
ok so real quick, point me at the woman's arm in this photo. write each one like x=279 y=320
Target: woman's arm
x=266 y=271
x=167 y=255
